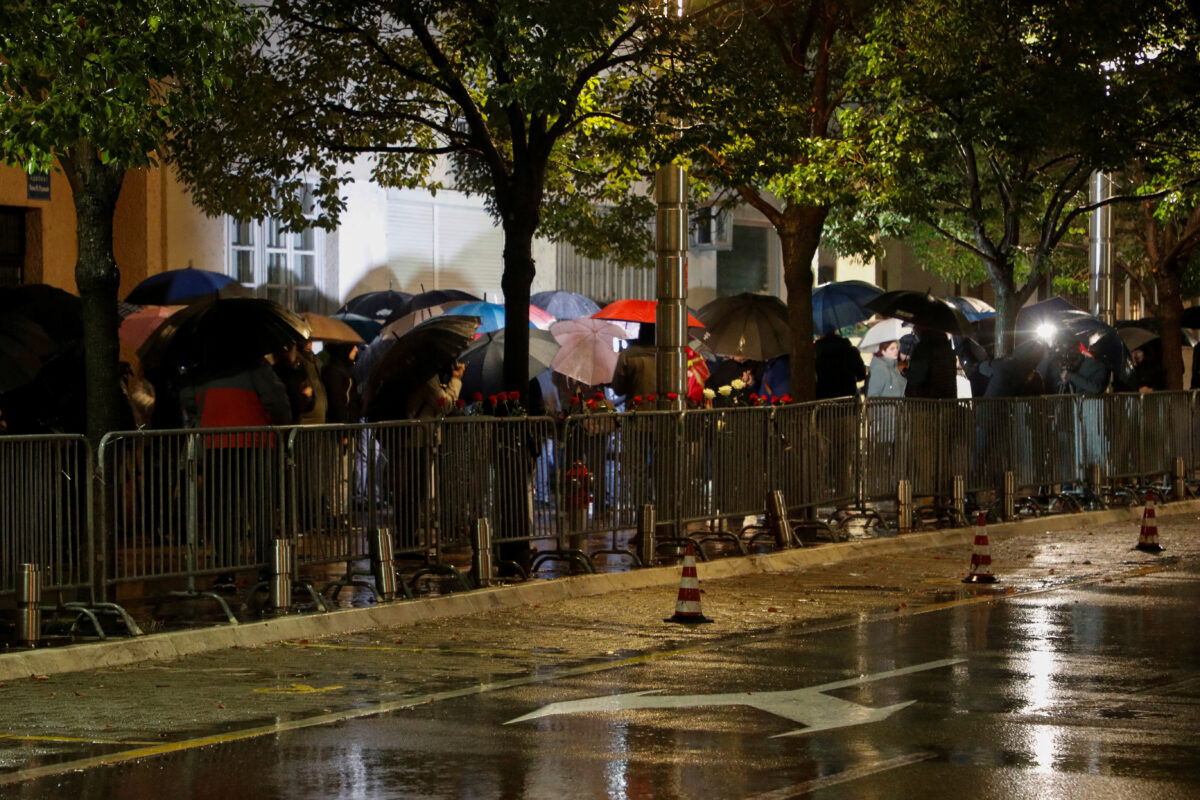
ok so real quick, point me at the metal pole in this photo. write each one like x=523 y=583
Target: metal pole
x=29 y=609
x=1100 y=299
x=670 y=193
x=904 y=506
x=282 y=557
x=777 y=519
x=646 y=544
x=383 y=564
x=481 y=558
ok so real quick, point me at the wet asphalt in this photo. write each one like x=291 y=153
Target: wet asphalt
x=442 y=687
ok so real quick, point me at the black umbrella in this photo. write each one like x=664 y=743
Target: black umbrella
x=59 y=313
x=381 y=305
x=398 y=368
x=222 y=333
x=435 y=297
x=922 y=309
x=485 y=360
x=748 y=325
x=23 y=346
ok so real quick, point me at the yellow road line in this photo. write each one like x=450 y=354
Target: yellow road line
x=16 y=737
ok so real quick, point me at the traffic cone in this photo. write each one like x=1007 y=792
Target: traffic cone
x=1148 y=538
x=687 y=607
x=981 y=557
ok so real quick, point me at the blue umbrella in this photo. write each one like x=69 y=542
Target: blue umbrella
x=177 y=287
x=565 y=305
x=973 y=308
x=366 y=327
x=840 y=304
x=491 y=315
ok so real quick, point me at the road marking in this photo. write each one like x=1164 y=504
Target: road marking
x=810 y=706
x=845 y=776
x=446 y=650
x=297 y=688
x=14 y=737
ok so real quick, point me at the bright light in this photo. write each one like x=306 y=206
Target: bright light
x=1046 y=332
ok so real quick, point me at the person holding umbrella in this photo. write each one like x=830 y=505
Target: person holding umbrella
x=432 y=398
x=932 y=371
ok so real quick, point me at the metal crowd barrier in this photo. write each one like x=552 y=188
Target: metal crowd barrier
x=180 y=505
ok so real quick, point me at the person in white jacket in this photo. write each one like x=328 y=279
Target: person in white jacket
x=885 y=379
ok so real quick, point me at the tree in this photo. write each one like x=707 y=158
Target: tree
x=1017 y=104
x=95 y=88
x=513 y=96
x=769 y=113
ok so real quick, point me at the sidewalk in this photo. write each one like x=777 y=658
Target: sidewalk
x=809 y=584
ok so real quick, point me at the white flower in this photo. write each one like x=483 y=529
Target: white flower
x=725 y=391
x=709 y=394
x=738 y=384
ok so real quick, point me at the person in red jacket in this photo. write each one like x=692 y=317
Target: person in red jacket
x=239 y=508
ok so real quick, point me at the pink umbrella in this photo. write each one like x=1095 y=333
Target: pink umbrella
x=138 y=326
x=588 y=353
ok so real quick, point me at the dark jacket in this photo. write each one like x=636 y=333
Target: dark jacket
x=839 y=367
x=932 y=371
x=634 y=374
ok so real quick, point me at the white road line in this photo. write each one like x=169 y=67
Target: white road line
x=845 y=776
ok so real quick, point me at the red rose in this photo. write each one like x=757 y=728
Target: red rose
x=441 y=402
x=514 y=397
x=574 y=401
x=753 y=397
x=478 y=397
x=774 y=399
x=637 y=399
x=649 y=398
x=787 y=398
x=598 y=396
x=672 y=396
x=492 y=399
x=591 y=404
x=460 y=402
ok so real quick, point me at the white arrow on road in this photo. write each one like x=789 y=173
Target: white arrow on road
x=809 y=706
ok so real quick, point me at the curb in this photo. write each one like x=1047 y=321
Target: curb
x=175 y=644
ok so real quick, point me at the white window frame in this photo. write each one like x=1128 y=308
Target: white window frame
x=295 y=296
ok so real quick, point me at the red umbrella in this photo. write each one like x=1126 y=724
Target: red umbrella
x=137 y=327
x=637 y=311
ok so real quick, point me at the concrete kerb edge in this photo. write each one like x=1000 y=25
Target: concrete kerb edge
x=118 y=652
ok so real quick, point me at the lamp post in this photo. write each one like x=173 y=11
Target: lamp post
x=1100 y=294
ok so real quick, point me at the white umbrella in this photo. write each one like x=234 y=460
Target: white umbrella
x=588 y=354
x=889 y=330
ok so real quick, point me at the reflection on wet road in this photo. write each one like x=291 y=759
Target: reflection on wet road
x=1088 y=691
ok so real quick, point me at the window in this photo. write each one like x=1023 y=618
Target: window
x=281 y=265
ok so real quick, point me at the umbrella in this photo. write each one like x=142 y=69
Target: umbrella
x=365 y=327
x=973 y=308
x=922 y=310
x=219 y=333
x=328 y=329
x=749 y=325
x=398 y=326
x=1191 y=317
x=1154 y=325
x=182 y=286
x=58 y=312
x=491 y=316
x=23 y=346
x=637 y=311
x=485 y=360
x=1134 y=337
x=382 y=305
x=840 y=304
x=888 y=330
x=565 y=305
x=588 y=354
x=400 y=365
x=138 y=326
x=436 y=297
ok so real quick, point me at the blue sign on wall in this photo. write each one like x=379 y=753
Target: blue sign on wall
x=37 y=185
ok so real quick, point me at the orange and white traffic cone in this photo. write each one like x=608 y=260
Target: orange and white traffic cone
x=1148 y=538
x=687 y=607
x=981 y=556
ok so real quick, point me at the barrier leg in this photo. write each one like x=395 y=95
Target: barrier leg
x=1178 y=485
x=904 y=506
x=383 y=565
x=282 y=557
x=1010 y=495
x=646 y=537
x=29 y=598
x=481 y=559
x=777 y=520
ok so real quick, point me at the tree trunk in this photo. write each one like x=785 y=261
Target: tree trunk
x=799 y=237
x=95 y=187
x=1170 y=310
x=519 y=270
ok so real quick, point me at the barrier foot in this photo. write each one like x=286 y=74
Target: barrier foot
x=439 y=569
x=111 y=609
x=682 y=542
x=567 y=554
x=511 y=569
x=212 y=596
x=617 y=551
